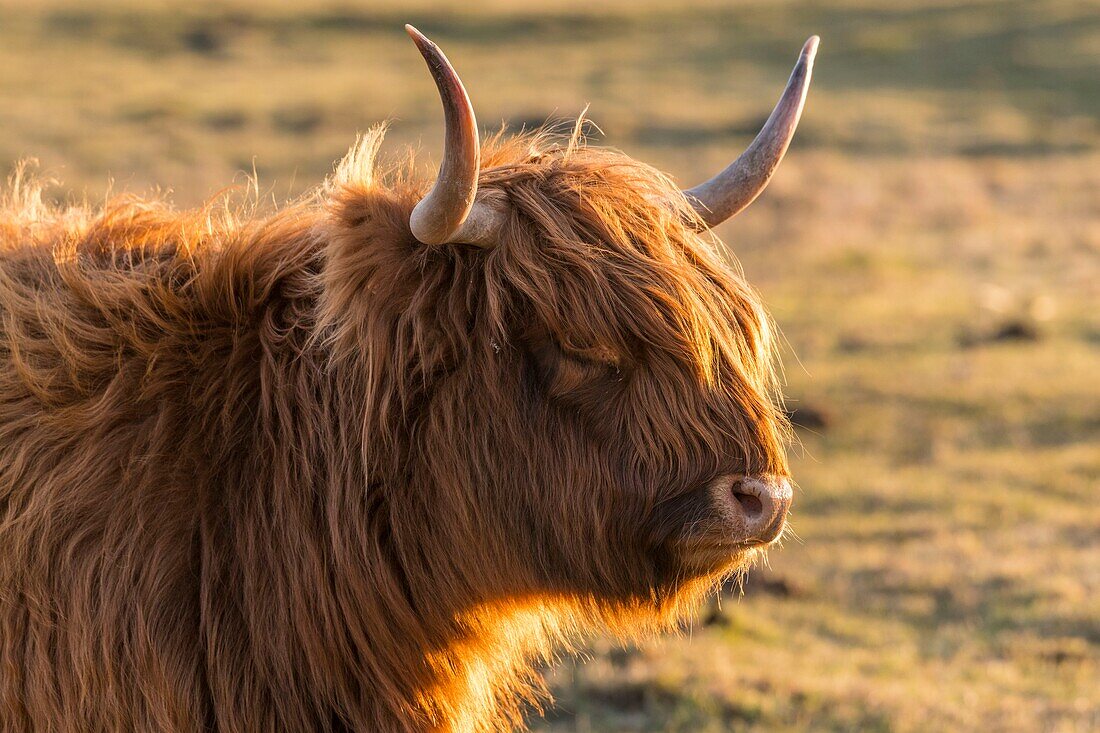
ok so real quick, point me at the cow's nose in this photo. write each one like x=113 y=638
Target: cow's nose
x=763 y=502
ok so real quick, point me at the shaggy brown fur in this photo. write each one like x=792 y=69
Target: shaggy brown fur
x=302 y=473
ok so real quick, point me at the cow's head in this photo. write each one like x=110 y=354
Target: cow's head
x=577 y=389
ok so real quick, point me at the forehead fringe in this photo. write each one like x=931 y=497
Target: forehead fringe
x=579 y=198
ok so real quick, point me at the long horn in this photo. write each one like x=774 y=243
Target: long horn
x=449 y=212
x=745 y=178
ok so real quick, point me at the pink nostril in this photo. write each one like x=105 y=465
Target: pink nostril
x=750 y=504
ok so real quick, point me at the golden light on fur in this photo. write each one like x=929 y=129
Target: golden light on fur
x=298 y=471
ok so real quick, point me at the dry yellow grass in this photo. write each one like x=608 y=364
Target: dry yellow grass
x=931 y=250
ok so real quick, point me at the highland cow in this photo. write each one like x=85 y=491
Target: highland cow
x=360 y=463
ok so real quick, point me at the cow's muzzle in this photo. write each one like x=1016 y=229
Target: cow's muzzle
x=755 y=506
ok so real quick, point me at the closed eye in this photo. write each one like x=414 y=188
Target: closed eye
x=573 y=372
x=596 y=356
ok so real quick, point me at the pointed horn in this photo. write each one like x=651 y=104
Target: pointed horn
x=745 y=178
x=449 y=212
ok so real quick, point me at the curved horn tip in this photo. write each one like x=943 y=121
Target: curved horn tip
x=809 y=49
x=416 y=35
x=428 y=48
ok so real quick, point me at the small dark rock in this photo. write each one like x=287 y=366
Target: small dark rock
x=716 y=617
x=778 y=587
x=850 y=344
x=299 y=120
x=204 y=40
x=225 y=120
x=809 y=417
x=1016 y=330
x=760 y=583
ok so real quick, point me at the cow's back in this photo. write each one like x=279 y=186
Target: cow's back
x=128 y=362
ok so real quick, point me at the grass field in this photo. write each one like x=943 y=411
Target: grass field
x=931 y=250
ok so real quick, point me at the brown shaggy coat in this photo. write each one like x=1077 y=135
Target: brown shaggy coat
x=299 y=472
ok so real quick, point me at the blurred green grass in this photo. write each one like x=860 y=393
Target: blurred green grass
x=931 y=250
